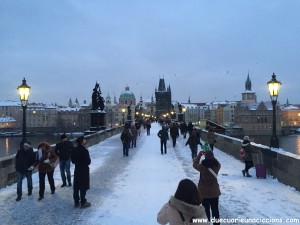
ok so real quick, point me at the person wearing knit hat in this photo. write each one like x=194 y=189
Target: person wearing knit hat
x=247 y=157
x=208 y=183
x=64 y=149
x=25 y=161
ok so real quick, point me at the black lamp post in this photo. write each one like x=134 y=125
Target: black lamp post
x=274 y=87
x=123 y=114
x=184 y=110
x=24 y=91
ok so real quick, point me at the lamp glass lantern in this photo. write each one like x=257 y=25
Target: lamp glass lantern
x=274 y=87
x=24 y=91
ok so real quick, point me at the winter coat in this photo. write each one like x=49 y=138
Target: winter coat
x=169 y=213
x=163 y=135
x=45 y=167
x=63 y=150
x=211 y=137
x=148 y=126
x=24 y=160
x=174 y=131
x=81 y=159
x=134 y=132
x=190 y=127
x=193 y=141
x=126 y=136
x=183 y=128
x=208 y=185
x=248 y=149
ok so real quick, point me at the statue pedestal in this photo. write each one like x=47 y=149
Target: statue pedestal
x=129 y=120
x=97 y=120
x=180 y=117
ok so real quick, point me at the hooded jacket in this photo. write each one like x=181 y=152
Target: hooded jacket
x=248 y=149
x=170 y=213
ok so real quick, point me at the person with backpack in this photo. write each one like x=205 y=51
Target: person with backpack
x=126 y=137
x=164 y=136
x=81 y=183
x=208 y=183
x=63 y=150
x=184 y=206
x=193 y=142
x=246 y=155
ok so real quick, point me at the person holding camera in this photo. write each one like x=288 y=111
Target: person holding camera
x=208 y=183
x=47 y=162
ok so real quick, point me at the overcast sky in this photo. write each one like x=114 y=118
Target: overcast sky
x=204 y=49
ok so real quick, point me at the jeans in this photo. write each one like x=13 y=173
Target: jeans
x=64 y=166
x=42 y=182
x=194 y=151
x=76 y=195
x=174 y=141
x=148 y=131
x=163 y=144
x=125 y=148
x=20 y=177
x=213 y=204
x=133 y=142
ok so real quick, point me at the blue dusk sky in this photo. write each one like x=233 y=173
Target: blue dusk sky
x=203 y=48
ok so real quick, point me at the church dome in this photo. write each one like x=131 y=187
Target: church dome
x=127 y=94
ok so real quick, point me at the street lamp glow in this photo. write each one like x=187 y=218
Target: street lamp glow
x=274 y=87
x=24 y=91
x=123 y=110
x=184 y=110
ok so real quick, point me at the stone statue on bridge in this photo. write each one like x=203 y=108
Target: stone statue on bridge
x=97 y=99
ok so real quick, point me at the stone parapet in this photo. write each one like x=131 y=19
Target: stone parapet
x=7 y=164
x=284 y=166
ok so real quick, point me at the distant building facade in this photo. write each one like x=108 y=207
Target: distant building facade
x=163 y=97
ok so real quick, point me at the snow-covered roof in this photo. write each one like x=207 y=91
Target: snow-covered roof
x=10 y=103
x=6 y=119
x=289 y=107
x=66 y=109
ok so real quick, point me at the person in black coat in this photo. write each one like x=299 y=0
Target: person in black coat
x=25 y=162
x=183 y=129
x=148 y=126
x=190 y=128
x=81 y=183
x=174 y=133
x=164 y=136
x=64 y=149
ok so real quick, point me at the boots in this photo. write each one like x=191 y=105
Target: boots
x=248 y=175
x=243 y=171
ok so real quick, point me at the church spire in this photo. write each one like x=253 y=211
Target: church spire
x=248 y=84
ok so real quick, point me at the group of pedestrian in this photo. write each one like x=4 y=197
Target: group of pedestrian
x=46 y=160
x=129 y=137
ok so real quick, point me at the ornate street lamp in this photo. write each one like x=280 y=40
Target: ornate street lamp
x=183 y=110
x=274 y=87
x=123 y=114
x=24 y=91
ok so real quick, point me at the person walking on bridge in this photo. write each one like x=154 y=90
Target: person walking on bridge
x=25 y=162
x=164 y=136
x=63 y=150
x=81 y=158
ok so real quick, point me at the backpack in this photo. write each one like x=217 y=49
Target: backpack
x=243 y=154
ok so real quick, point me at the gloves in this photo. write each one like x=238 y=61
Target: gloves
x=31 y=168
x=201 y=153
x=46 y=161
